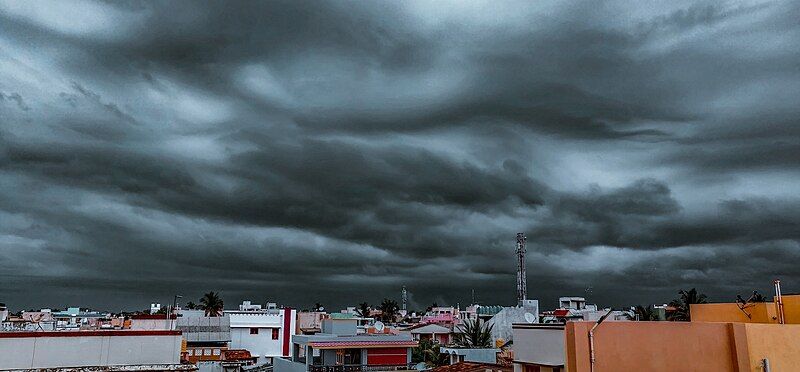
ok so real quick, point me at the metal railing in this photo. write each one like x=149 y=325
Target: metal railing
x=361 y=368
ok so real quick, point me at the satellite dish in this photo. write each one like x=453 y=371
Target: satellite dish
x=379 y=326
x=530 y=318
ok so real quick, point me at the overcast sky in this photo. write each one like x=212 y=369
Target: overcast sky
x=334 y=152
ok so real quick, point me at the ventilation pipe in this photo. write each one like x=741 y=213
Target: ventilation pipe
x=591 y=339
x=779 y=301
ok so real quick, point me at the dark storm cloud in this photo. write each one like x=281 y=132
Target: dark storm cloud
x=335 y=151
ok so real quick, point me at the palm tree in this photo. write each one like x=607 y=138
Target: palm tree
x=212 y=304
x=191 y=305
x=681 y=312
x=428 y=352
x=363 y=310
x=474 y=335
x=389 y=310
x=644 y=314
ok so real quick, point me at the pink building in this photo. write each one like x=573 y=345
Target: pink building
x=441 y=315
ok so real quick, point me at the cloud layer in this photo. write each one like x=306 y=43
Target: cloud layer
x=334 y=152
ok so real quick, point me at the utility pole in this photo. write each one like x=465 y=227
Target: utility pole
x=522 y=275
x=405 y=298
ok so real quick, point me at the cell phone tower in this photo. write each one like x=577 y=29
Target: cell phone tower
x=522 y=275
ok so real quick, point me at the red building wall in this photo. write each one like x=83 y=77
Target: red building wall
x=391 y=356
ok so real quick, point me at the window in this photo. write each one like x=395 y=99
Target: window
x=253 y=331
x=274 y=333
x=215 y=352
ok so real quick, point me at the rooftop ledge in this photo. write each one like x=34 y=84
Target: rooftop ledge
x=125 y=368
x=93 y=333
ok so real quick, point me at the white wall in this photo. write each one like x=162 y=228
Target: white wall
x=502 y=321
x=152 y=324
x=48 y=352
x=261 y=344
x=539 y=344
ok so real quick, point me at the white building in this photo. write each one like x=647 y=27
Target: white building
x=576 y=308
x=265 y=333
x=502 y=321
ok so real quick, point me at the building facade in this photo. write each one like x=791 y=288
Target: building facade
x=206 y=337
x=338 y=348
x=265 y=333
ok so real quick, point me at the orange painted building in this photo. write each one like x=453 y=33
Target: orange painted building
x=683 y=346
x=758 y=312
x=720 y=337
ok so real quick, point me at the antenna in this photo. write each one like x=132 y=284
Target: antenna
x=405 y=297
x=522 y=275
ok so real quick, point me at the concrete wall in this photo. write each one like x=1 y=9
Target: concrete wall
x=284 y=365
x=503 y=321
x=472 y=355
x=680 y=346
x=209 y=366
x=762 y=312
x=205 y=328
x=339 y=326
x=68 y=349
x=152 y=324
x=791 y=309
x=539 y=344
x=780 y=344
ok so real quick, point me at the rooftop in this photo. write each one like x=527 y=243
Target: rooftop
x=473 y=367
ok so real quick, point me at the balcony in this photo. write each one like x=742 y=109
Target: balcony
x=361 y=368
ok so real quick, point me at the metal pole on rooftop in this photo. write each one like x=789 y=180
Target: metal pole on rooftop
x=174 y=306
x=591 y=339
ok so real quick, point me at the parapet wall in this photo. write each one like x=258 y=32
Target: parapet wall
x=30 y=350
x=669 y=346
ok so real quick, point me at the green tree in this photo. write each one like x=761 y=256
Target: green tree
x=428 y=352
x=389 y=309
x=318 y=307
x=191 y=305
x=474 y=335
x=644 y=314
x=681 y=305
x=212 y=304
x=363 y=310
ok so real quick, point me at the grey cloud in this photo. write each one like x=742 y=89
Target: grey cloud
x=15 y=98
x=334 y=152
